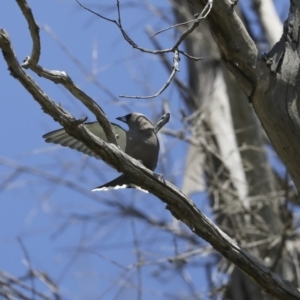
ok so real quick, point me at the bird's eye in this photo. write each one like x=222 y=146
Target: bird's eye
x=117 y=136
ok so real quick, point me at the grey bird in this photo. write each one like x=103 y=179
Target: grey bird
x=140 y=142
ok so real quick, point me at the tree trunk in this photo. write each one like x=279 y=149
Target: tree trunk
x=238 y=170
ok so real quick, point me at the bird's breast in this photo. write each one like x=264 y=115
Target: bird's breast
x=143 y=148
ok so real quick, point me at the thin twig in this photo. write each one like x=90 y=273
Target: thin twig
x=118 y=23
x=126 y=37
x=200 y=17
x=176 y=60
x=29 y=264
x=174 y=49
x=206 y=10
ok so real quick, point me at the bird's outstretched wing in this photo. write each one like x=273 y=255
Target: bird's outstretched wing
x=61 y=137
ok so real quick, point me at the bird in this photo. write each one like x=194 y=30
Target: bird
x=140 y=142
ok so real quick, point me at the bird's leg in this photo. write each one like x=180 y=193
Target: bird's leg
x=157 y=175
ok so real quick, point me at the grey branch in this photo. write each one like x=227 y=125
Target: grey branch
x=175 y=69
x=34 y=31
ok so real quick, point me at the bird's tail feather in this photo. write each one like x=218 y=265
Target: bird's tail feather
x=120 y=182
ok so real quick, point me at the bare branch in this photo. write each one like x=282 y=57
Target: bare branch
x=176 y=60
x=174 y=49
x=118 y=23
x=206 y=10
x=29 y=264
x=15 y=288
x=190 y=56
x=126 y=37
x=34 y=31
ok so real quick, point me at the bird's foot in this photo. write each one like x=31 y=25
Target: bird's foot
x=159 y=177
x=81 y=120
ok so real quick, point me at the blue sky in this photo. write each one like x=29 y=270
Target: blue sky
x=49 y=217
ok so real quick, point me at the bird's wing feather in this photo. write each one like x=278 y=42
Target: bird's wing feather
x=162 y=122
x=61 y=137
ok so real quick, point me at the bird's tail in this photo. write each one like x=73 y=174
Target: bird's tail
x=120 y=182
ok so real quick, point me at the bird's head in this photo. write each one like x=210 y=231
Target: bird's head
x=136 y=121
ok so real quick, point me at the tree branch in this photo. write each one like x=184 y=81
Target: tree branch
x=34 y=31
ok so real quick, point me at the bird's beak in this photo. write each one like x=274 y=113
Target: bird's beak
x=123 y=119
